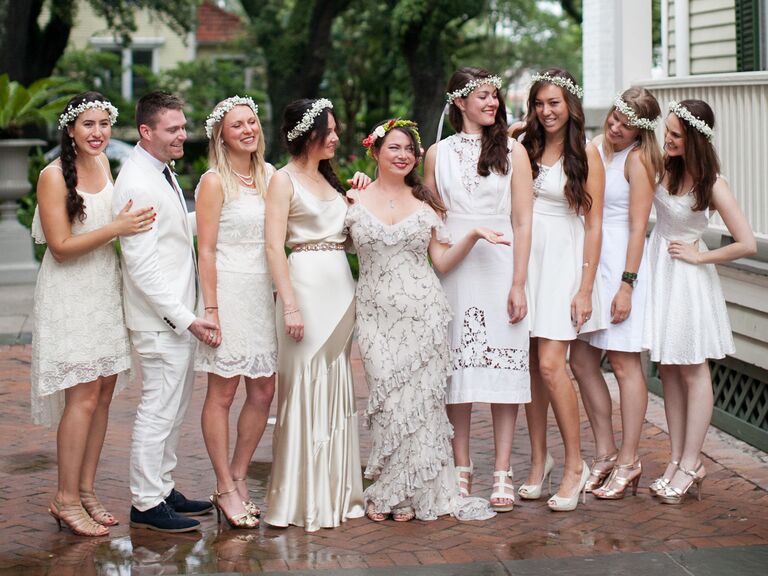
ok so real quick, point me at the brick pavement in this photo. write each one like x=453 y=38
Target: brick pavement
x=734 y=511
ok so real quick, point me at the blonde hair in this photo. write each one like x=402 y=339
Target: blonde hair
x=644 y=105
x=218 y=160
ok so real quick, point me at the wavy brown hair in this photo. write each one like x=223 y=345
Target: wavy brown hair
x=413 y=179
x=494 y=151
x=575 y=163
x=645 y=105
x=299 y=146
x=699 y=158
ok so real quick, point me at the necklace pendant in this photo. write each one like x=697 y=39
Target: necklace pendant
x=392 y=204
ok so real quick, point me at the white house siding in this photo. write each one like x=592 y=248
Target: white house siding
x=712 y=29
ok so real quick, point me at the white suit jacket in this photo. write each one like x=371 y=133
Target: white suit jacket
x=159 y=275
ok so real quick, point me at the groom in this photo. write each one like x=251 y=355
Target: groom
x=159 y=294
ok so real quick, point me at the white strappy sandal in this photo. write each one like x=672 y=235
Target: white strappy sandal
x=503 y=489
x=464 y=482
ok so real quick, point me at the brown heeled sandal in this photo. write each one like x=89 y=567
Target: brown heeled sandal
x=616 y=486
x=96 y=509
x=244 y=520
x=76 y=519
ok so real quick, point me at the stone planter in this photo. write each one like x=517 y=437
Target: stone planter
x=17 y=261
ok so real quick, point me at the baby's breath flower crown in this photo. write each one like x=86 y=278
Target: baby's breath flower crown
x=308 y=119
x=72 y=112
x=494 y=81
x=382 y=130
x=632 y=118
x=225 y=106
x=684 y=114
x=561 y=81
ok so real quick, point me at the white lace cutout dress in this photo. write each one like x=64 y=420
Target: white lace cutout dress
x=402 y=325
x=686 y=321
x=490 y=355
x=78 y=331
x=244 y=293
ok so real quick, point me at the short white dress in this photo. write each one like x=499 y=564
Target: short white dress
x=686 y=321
x=555 y=266
x=490 y=355
x=244 y=293
x=78 y=331
x=626 y=336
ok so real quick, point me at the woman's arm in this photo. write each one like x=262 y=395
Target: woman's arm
x=581 y=305
x=279 y=194
x=522 y=216
x=640 y=202
x=446 y=257
x=208 y=204
x=52 y=206
x=429 y=169
x=743 y=244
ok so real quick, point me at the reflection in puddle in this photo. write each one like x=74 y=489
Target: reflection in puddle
x=28 y=462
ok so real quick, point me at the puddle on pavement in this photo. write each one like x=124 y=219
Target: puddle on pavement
x=26 y=462
x=598 y=541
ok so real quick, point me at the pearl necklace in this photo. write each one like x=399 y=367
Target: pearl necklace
x=247 y=180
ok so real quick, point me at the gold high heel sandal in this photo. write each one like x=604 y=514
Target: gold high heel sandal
x=533 y=491
x=598 y=475
x=96 y=509
x=76 y=519
x=250 y=505
x=244 y=520
x=672 y=495
x=658 y=485
x=608 y=492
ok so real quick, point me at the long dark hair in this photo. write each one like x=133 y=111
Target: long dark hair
x=494 y=151
x=298 y=146
x=75 y=202
x=413 y=179
x=699 y=158
x=575 y=163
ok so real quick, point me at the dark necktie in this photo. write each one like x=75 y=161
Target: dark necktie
x=167 y=174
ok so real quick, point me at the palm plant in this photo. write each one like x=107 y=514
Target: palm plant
x=37 y=104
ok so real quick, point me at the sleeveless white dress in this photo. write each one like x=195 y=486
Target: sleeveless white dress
x=555 y=266
x=686 y=320
x=78 y=331
x=490 y=355
x=244 y=293
x=626 y=336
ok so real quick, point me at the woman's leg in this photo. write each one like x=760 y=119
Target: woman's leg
x=675 y=408
x=97 y=432
x=565 y=405
x=504 y=418
x=460 y=416
x=536 y=417
x=633 y=395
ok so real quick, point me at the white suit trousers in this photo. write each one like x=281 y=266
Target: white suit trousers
x=166 y=361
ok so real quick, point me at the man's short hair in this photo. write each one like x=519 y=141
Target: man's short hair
x=150 y=105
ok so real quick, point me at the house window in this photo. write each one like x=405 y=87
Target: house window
x=751 y=43
x=141 y=53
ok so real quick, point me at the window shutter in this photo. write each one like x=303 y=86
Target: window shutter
x=747 y=35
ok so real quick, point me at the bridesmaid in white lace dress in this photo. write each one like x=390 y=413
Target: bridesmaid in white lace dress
x=402 y=322
x=80 y=343
x=237 y=295
x=686 y=321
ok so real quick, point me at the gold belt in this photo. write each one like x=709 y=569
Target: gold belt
x=317 y=246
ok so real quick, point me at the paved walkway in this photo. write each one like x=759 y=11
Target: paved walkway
x=725 y=533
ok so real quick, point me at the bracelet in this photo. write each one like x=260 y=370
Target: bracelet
x=211 y=307
x=291 y=311
x=629 y=278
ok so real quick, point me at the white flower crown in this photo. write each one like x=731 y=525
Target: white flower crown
x=73 y=112
x=308 y=119
x=494 y=81
x=225 y=106
x=684 y=114
x=632 y=118
x=561 y=81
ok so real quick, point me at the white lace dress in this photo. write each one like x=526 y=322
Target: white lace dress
x=402 y=324
x=686 y=321
x=490 y=355
x=244 y=293
x=78 y=331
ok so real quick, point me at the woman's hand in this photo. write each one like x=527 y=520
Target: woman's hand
x=517 y=304
x=294 y=324
x=491 y=236
x=359 y=181
x=213 y=337
x=128 y=223
x=581 y=309
x=679 y=250
x=621 y=306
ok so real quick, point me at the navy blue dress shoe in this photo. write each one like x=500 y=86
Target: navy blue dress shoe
x=163 y=519
x=181 y=505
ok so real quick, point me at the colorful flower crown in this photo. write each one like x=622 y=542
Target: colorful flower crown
x=561 y=81
x=71 y=113
x=494 y=81
x=684 y=114
x=308 y=119
x=225 y=106
x=382 y=130
x=632 y=118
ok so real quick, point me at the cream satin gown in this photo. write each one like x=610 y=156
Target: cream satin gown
x=316 y=479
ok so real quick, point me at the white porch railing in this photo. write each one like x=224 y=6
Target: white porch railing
x=740 y=104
